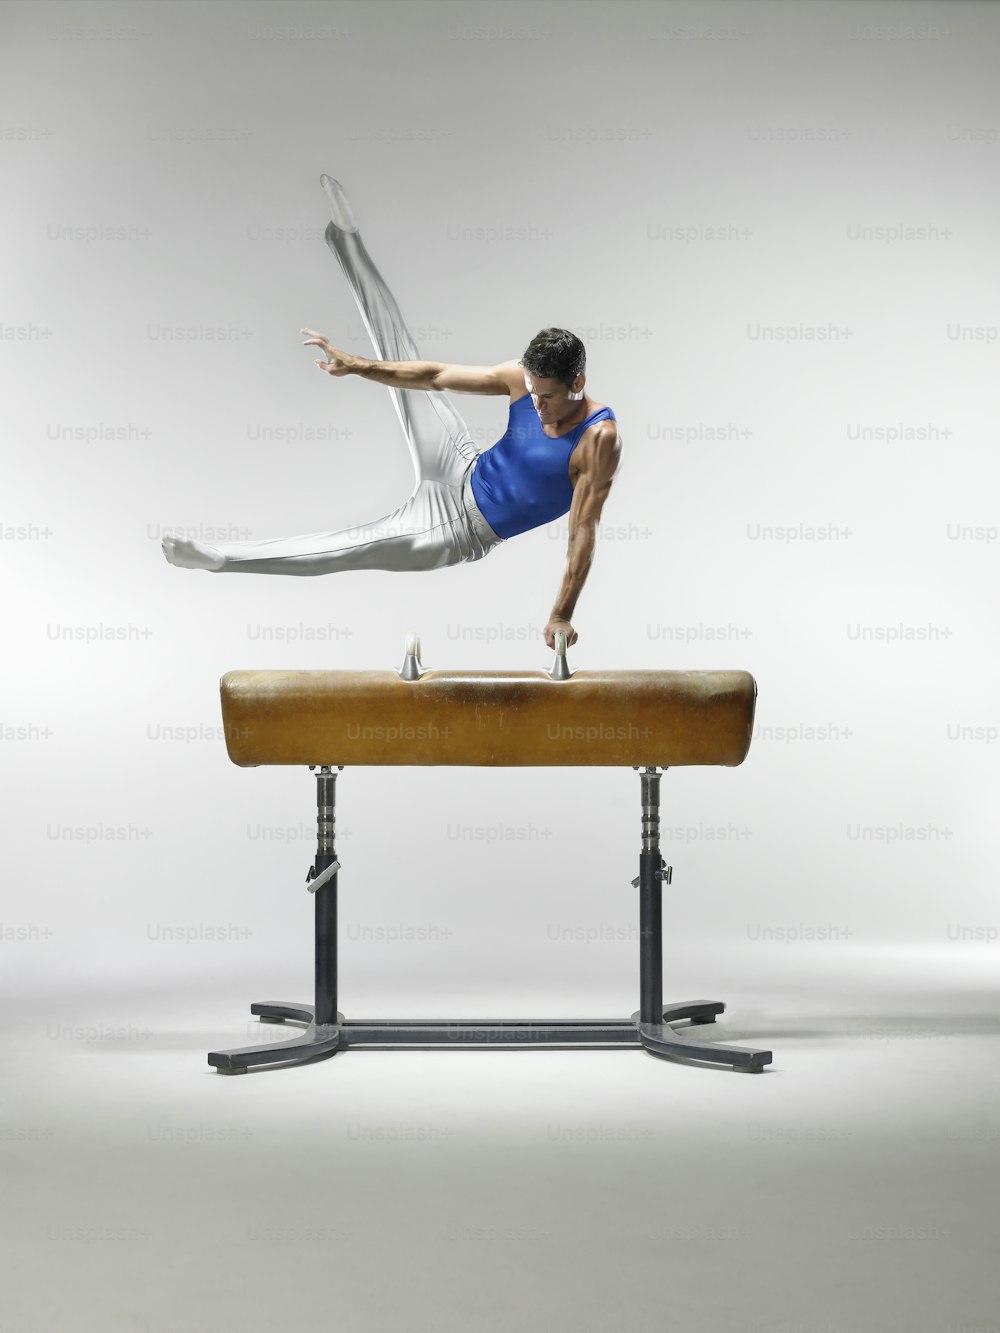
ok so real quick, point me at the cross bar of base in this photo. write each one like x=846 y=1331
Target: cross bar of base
x=651 y=1027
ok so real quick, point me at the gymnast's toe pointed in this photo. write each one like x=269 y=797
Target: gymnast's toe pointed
x=340 y=208
x=191 y=554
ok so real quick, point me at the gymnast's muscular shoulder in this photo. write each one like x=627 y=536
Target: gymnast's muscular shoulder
x=598 y=452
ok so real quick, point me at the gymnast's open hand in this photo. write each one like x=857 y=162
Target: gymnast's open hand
x=336 y=362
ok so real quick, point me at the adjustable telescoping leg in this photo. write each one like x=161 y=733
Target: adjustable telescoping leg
x=652 y=1019
x=326 y=899
x=323 y=1034
x=650 y=903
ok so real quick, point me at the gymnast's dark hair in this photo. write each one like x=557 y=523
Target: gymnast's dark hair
x=555 y=354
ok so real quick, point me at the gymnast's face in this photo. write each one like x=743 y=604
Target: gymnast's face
x=551 y=397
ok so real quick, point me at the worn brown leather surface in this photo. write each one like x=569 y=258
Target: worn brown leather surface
x=514 y=718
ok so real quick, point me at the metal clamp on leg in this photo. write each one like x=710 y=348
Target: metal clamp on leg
x=314 y=881
x=665 y=873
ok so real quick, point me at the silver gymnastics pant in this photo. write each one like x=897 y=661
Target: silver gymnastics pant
x=440 y=524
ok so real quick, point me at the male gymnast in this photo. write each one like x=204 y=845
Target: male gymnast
x=559 y=455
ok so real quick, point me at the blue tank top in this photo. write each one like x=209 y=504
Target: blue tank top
x=522 y=481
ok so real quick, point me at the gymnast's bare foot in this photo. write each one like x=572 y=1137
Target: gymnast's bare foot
x=343 y=214
x=188 y=554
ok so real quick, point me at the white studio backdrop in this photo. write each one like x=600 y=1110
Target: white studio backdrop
x=774 y=227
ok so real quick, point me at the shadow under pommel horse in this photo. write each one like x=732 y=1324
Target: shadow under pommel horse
x=646 y=720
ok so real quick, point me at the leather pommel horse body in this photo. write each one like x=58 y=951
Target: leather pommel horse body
x=643 y=719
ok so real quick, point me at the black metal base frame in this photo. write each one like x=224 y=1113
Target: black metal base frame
x=650 y=1027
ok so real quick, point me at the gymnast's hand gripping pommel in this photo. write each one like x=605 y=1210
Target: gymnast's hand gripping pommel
x=559 y=455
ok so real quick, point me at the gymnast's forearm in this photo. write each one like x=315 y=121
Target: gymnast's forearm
x=581 y=556
x=398 y=374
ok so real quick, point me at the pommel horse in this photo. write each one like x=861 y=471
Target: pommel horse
x=647 y=720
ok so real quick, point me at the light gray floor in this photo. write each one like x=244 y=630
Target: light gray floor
x=853 y=1186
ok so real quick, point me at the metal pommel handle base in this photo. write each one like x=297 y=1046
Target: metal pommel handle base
x=560 y=667
x=411 y=668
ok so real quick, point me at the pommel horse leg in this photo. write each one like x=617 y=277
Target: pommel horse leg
x=652 y=1020
x=324 y=1022
x=327 y=1030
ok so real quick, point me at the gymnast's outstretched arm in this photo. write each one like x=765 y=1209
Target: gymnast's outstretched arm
x=414 y=374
